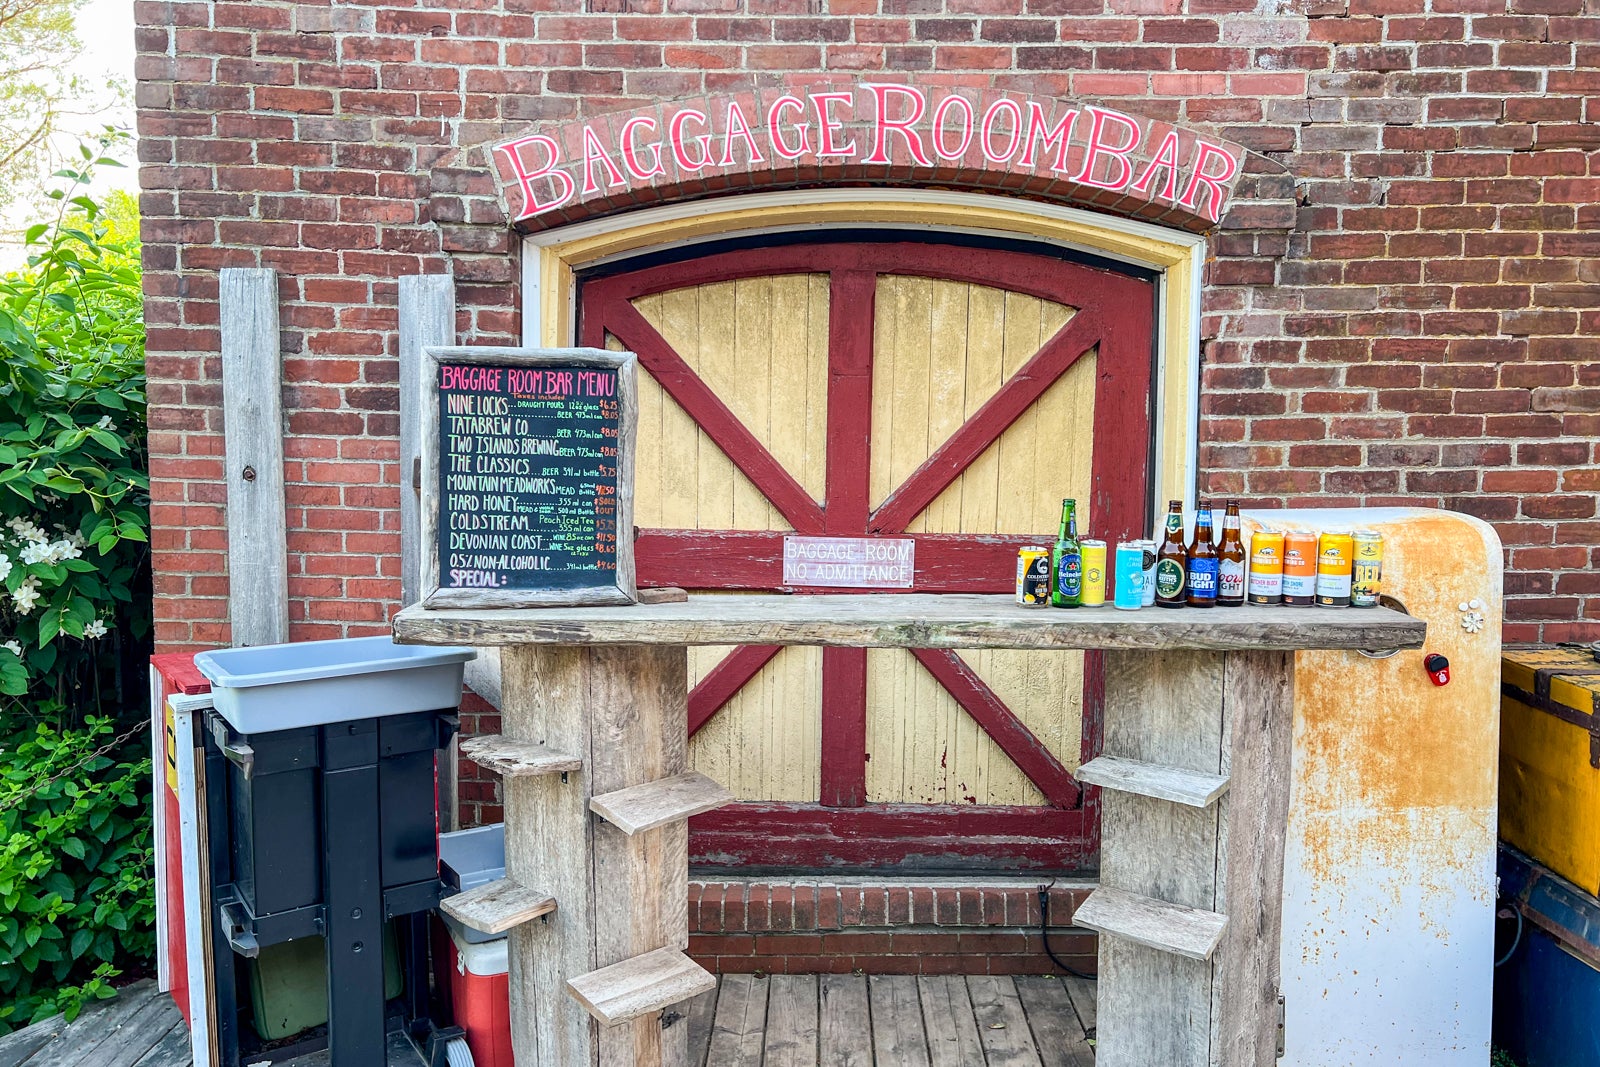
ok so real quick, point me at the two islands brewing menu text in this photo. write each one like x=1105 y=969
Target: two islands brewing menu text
x=528 y=477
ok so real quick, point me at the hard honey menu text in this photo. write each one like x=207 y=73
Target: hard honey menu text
x=528 y=473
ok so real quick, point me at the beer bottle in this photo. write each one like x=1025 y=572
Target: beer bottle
x=1172 y=560
x=1230 y=561
x=1066 y=561
x=1202 y=561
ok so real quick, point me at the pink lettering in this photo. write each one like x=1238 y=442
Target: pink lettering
x=880 y=131
x=736 y=127
x=939 y=123
x=1207 y=151
x=675 y=131
x=1166 y=158
x=780 y=147
x=1098 y=147
x=1041 y=134
x=630 y=156
x=988 y=130
x=827 y=125
x=531 y=204
x=594 y=152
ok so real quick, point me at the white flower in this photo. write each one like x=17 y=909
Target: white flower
x=1472 y=622
x=105 y=423
x=13 y=647
x=63 y=549
x=36 y=552
x=5 y=567
x=25 y=530
x=95 y=629
x=26 y=597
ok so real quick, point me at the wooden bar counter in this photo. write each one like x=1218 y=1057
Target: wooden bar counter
x=1199 y=707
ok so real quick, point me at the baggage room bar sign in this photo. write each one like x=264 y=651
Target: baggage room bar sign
x=913 y=129
x=528 y=477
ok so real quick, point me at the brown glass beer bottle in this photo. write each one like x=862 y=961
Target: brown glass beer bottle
x=1231 y=561
x=1172 y=561
x=1202 y=561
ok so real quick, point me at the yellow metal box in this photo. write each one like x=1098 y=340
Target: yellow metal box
x=1550 y=759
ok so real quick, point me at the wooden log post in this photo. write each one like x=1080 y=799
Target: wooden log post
x=619 y=895
x=252 y=415
x=1192 y=848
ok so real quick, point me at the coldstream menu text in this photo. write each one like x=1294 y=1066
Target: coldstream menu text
x=528 y=477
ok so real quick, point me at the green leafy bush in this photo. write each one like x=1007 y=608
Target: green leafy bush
x=76 y=907
x=76 y=901
x=74 y=495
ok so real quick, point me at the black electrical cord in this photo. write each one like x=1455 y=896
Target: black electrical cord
x=1044 y=932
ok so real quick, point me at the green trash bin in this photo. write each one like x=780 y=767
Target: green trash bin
x=289 y=984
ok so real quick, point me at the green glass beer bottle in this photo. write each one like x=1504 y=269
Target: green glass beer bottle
x=1066 y=561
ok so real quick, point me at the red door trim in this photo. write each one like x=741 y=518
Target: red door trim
x=724 y=680
x=1081 y=333
x=1019 y=743
x=986 y=837
x=708 y=411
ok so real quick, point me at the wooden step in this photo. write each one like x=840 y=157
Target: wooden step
x=1194 y=788
x=517 y=759
x=495 y=907
x=644 y=807
x=1154 y=923
x=641 y=985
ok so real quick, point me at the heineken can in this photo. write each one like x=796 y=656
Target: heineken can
x=1127 y=587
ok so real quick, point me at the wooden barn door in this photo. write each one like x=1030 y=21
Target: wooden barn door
x=953 y=394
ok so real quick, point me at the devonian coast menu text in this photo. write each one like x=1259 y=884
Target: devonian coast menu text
x=528 y=479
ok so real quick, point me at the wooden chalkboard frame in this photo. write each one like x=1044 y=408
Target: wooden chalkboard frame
x=624 y=590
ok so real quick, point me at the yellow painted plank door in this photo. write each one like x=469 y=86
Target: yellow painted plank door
x=947 y=396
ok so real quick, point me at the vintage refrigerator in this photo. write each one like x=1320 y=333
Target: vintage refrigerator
x=1389 y=882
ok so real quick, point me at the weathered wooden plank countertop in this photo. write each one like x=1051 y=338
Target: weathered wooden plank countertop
x=912 y=620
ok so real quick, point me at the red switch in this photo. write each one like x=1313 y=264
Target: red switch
x=1438 y=669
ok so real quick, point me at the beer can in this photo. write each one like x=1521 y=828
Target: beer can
x=1335 y=551
x=1094 y=573
x=1127 y=589
x=1368 y=569
x=1149 y=547
x=1033 y=576
x=1299 y=568
x=1266 y=567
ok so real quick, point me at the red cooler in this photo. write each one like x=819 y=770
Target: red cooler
x=481 y=997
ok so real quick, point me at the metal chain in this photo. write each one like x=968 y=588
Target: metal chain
x=16 y=798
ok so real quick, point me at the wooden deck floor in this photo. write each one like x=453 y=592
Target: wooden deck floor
x=781 y=1021
x=805 y=1020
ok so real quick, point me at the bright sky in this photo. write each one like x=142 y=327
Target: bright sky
x=105 y=27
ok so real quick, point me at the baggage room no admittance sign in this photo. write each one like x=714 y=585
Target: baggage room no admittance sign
x=527 y=486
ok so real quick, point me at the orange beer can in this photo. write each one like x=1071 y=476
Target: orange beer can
x=1335 y=562
x=1266 y=567
x=1299 y=568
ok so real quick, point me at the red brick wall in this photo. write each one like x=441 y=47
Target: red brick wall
x=1413 y=317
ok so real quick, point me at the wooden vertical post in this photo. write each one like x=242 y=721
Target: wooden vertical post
x=427 y=318
x=621 y=890
x=1195 y=808
x=252 y=411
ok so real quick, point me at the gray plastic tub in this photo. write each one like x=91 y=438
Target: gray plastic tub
x=282 y=687
x=468 y=859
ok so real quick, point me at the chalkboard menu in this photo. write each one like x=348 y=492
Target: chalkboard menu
x=528 y=479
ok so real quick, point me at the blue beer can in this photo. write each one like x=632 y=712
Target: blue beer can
x=1128 y=579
